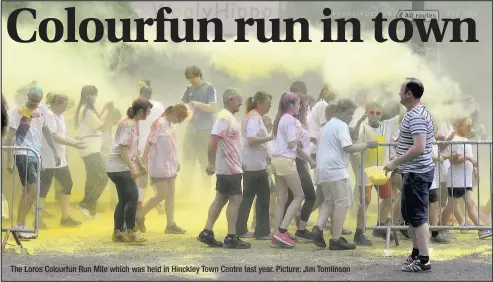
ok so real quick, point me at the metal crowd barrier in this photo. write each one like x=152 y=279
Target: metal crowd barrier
x=392 y=227
x=12 y=230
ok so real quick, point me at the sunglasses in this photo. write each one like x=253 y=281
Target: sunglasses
x=375 y=113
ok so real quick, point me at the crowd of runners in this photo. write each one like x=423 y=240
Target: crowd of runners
x=284 y=167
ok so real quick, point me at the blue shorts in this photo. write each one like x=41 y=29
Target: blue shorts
x=415 y=197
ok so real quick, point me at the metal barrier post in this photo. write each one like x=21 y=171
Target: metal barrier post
x=491 y=184
x=14 y=230
x=362 y=190
x=442 y=225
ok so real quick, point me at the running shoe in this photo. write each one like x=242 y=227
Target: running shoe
x=174 y=229
x=340 y=244
x=484 y=234
x=284 y=238
x=208 y=239
x=417 y=266
x=304 y=234
x=233 y=242
x=84 y=210
x=318 y=237
x=278 y=244
x=448 y=234
x=362 y=240
x=136 y=236
x=24 y=235
x=440 y=239
x=69 y=222
x=119 y=236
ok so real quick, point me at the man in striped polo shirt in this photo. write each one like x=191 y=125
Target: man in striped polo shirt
x=415 y=163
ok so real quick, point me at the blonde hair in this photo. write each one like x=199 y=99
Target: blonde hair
x=180 y=110
x=55 y=98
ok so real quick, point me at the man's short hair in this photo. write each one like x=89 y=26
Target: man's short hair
x=146 y=92
x=345 y=104
x=298 y=87
x=415 y=86
x=147 y=81
x=230 y=93
x=193 y=71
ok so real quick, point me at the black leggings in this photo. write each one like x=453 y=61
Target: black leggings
x=308 y=190
x=128 y=195
x=255 y=183
x=62 y=175
x=96 y=181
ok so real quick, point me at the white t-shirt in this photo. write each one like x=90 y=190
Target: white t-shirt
x=270 y=148
x=254 y=157
x=288 y=130
x=305 y=142
x=332 y=161
x=29 y=125
x=434 y=153
x=461 y=174
x=444 y=130
x=89 y=132
x=157 y=110
x=313 y=146
x=228 y=156
x=127 y=134
x=316 y=118
x=163 y=156
x=57 y=126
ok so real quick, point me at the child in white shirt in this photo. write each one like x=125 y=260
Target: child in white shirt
x=460 y=177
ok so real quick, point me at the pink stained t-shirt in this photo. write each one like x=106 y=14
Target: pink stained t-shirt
x=127 y=135
x=288 y=130
x=228 y=157
x=163 y=156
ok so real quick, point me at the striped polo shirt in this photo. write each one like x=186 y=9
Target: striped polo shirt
x=416 y=121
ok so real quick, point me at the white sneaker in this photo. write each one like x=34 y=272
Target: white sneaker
x=84 y=211
x=485 y=234
x=24 y=235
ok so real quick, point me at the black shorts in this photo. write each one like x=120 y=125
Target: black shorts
x=62 y=175
x=433 y=196
x=458 y=192
x=415 y=197
x=229 y=184
x=27 y=168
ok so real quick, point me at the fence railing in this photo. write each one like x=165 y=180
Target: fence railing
x=26 y=162
x=445 y=149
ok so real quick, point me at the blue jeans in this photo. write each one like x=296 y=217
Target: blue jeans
x=415 y=197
